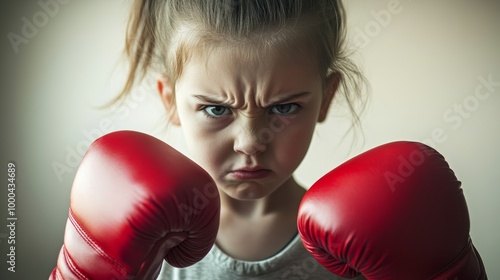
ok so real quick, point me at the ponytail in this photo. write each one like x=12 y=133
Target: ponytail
x=140 y=43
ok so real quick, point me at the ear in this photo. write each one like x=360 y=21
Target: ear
x=331 y=86
x=166 y=92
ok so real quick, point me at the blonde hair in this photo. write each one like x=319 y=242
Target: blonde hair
x=163 y=34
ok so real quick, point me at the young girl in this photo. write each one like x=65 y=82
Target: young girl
x=247 y=81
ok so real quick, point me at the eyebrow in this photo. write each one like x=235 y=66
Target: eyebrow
x=226 y=104
x=290 y=97
x=211 y=100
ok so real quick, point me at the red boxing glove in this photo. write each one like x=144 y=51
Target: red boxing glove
x=136 y=201
x=394 y=212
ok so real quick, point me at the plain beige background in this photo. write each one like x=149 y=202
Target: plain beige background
x=424 y=59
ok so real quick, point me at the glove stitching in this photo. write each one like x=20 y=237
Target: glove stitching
x=93 y=244
x=72 y=266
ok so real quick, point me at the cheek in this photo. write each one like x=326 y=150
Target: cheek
x=194 y=137
x=202 y=147
x=291 y=146
x=206 y=148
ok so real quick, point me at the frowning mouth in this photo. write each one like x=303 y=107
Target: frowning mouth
x=250 y=173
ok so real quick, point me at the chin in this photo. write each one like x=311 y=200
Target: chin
x=248 y=191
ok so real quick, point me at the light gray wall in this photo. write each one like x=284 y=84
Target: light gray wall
x=422 y=63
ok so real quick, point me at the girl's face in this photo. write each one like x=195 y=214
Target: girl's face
x=249 y=122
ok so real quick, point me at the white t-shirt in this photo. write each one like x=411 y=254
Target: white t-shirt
x=292 y=262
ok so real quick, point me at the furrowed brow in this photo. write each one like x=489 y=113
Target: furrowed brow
x=289 y=98
x=211 y=100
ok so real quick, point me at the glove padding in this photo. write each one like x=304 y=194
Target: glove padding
x=136 y=201
x=394 y=212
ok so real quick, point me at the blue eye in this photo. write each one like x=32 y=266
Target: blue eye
x=215 y=111
x=285 y=109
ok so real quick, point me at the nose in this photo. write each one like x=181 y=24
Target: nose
x=247 y=141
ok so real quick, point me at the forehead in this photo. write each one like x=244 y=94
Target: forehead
x=251 y=66
x=197 y=43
